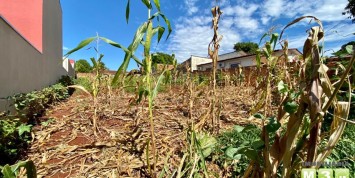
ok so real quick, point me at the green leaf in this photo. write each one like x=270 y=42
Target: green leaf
x=250 y=153
x=167 y=23
x=148 y=39
x=282 y=87
x=24 y=128
x=291 y=107
x=161 y=31
x=81 y=45
x=259 y=116
x=155 y=91
x=257 y=144
x=147 y=3
x=127 y=11
x=207 y=143
x=108 y=41
x=273 y=40
x=129 y=52
x=273 y=125
x=238 y=128
x=349 y=49
x=30 y=168
x=232 y=153
x=157 y=4
x=93 y=62
x=258 y=58
x=7 y=172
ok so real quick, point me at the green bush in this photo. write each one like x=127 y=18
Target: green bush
x=33 y=104
x=15 y=130
x=85 y=82
x=14 y=139
x=228 y=144
x=82 y=66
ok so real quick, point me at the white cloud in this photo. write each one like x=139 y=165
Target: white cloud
x=191 y=6
x=245 y=11
x=246 y=23
x=273 y=8
x=265 y=20
x=65 y=48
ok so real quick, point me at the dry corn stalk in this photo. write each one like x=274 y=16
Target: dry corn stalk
x=213 y=53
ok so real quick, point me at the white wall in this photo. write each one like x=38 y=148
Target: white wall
x=68 y=67
x=247 y=61
x=195 y=60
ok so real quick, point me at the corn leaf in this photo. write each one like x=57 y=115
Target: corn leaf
x=155 y=91
x=167 y=23
x=161 y=31
x=81 y=45
x=299 y=19
x=127 y=10
x=7 y=172
x=147 y=3
x=157 y=4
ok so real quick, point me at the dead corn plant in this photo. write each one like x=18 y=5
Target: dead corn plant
x=303 y=103
x=213 y=48
x=143 y=36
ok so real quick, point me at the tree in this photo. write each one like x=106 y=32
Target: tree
x=248 y=47
x=342 y=50
x=162 y=58
x=350 y=9
x=82 y=66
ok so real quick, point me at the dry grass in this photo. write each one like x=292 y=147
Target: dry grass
x=68 y=147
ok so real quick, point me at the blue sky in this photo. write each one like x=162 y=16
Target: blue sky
x=241 y=21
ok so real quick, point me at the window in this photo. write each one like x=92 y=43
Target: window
x=236 y=65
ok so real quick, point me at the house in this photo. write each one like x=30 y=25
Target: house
x=194 y=61
x=231 y=62
x=30 y=46
x=68 y=65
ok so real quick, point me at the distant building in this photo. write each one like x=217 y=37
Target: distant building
x=30 y=46
x=231 y=61
x=194 y=61
x=69 y=66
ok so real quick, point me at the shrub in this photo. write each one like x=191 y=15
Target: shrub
x=66 y=81
x=82 y=66
x=14 y=139
x=33 y=104
x=85 y=82
x=228 y=144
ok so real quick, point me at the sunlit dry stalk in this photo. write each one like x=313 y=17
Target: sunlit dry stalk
x=213 y=53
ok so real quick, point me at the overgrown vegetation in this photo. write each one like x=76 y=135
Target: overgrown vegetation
x=15 y=129
x=293 y=113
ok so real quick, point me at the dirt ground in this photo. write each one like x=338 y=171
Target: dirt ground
x=67 y=146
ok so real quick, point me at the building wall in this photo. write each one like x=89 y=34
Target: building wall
x=245 y=61
x=195 y=60
x=23 y=68
x=26 y=17
x=68 y=67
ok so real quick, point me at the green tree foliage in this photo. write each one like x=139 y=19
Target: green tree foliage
x=162 y=58
x=350 y=9
x=343 y=50
x=248 y=47
x=82 y=66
